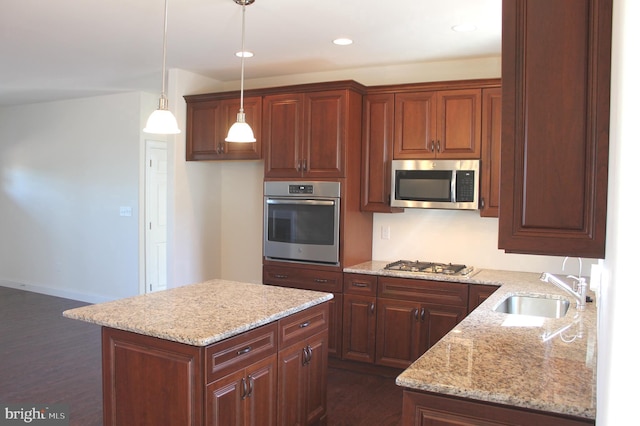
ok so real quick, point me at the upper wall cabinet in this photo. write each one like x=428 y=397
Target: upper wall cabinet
x=209 y=120
x=490 y=162
x=438 y=124
x=556 y=72
x=308 y=134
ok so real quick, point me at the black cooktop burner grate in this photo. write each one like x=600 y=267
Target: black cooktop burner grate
x=428 y=267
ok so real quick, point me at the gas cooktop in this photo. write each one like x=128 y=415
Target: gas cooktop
x=429 y=267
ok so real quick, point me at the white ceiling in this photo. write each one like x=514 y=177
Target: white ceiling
x=73 y=48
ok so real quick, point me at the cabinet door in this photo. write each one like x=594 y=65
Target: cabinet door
x=262 y=390
x=478 y=293
x=323 y=153
x=225 y=402
x=415 y=125
x=359 y=328
x=459 y=123
x=490 y=164
x=556 y=69
x=397 y=333
x=302 y=372
x=253 y=114
x=377 y=153
x=203 y=130
x=436 y=321
x=282 y=130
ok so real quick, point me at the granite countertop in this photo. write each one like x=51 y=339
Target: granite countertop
x=200 y=314
x=530 y=362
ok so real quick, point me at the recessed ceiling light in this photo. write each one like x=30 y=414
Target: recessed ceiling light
x=464 y=28
x=245 y=54
x=343 y=41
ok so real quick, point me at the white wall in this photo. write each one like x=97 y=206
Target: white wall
x=618 y=366
x=65 y=169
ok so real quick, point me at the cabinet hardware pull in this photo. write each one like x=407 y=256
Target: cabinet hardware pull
x=244 y=388
x=304 y=165
x=251 y=382
x=372 y=307
x=482 y=203
x=438 y=146
x=281 y=276
x=244 y=351
x=432 y=146
x=310 y=353
x=321 y=280
x=304 y=324
x=422 y=314
x=360 y=284
x=305 y=356
x=298 y=165
x=415 y=313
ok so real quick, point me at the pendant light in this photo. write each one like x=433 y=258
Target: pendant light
x=162 y=121
x=240 y=131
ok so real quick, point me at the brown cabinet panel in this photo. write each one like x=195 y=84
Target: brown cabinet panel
x=436 y=321
x=438 y=124
x=459 y=123
x=282 y=134
x=359 y=328
x=142 y=373
x=478 y=293
x=397 y=333
x=239 y=351
x=300 y=326
x=436 y=292
x=208 y=123
x=426 y=409
x=377 y=152
x=491 y=142
x=308 y=279
x=415 y=125
x=556 y=68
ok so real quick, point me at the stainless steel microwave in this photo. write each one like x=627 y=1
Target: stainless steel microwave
x=435 y=184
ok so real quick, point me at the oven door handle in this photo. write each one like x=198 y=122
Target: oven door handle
x=302 y=202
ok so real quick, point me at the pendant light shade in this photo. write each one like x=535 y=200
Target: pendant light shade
x=240 y=131
x=162 y=121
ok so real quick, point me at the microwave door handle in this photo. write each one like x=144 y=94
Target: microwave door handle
x=453 y=186
x=302 y=202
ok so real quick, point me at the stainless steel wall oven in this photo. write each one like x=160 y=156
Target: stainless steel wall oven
x=302 y=221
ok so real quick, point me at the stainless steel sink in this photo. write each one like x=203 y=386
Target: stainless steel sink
x=539 y=306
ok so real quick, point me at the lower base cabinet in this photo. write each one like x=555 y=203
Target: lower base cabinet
x=273 y=374
x=426 y=409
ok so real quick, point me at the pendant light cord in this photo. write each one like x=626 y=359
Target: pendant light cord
x=242 y=55
x=163 y=95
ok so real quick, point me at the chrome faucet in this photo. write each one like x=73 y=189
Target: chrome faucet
x=578 y=289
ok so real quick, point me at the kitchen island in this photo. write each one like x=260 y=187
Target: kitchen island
x=498 y=368
x=217 y=353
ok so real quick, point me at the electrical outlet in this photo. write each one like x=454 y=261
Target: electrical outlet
x=386 y=232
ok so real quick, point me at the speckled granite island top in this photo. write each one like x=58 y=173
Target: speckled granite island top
x=530 y=362
x=200 y=314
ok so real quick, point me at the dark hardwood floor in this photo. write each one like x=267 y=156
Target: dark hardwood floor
x=46 y=358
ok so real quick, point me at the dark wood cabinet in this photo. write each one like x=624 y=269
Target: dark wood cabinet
x=377 y=152
x=438 y=124
x=276 y=373
x=302 y=369
x=359 y=318
x=307 y=134
x=246 y=397
x=142 y=373
x=556 y=74
x=208 y=122
x=413 y=315
x=478 y=293
x=428 y=409
x=491 y=142
x=284 y=275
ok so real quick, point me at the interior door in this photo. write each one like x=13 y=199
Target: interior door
x=156 y=216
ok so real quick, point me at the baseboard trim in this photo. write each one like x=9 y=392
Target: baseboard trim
x=49 y=291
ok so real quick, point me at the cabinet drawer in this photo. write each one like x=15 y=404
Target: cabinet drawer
x=308 y=279
x=438 y=292
x=240 y=351
x=365 y=285
x=301 y=325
